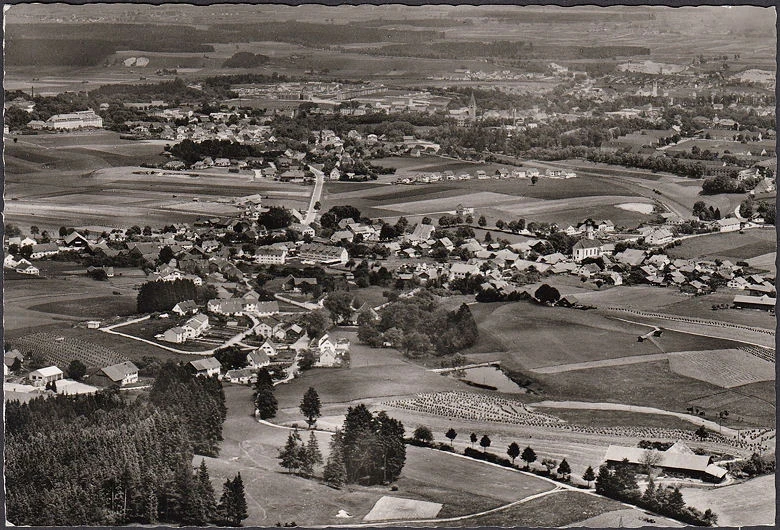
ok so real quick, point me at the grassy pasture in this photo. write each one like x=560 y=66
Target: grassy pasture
x=750 y=503
x=551 y=511
x=251 y=449
x=655 y=385
x=96 y=307
x=617 y=418
x=729 y=245
x=532 y=336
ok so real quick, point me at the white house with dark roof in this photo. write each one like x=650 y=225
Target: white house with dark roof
x=586 y=248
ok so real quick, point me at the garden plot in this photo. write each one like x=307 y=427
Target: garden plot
x=724 y=368
x=61 y=350
x=395 y=508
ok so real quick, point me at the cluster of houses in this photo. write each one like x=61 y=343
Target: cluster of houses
x=498 y=174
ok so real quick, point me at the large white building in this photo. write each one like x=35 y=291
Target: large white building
x=75 y=120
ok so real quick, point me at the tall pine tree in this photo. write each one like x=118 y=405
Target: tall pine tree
x=335 y=472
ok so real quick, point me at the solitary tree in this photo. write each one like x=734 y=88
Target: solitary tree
x=423 y=434
x=589 y=476
x=76 y=370
x=473 y=438
x=513 y=451
x=529 y=457
x=451 y=434
x=484 y=443
x=702 y=433
x=534 y=180
x=564 y=470
x=310 y=407
x=481 y=221
x=265 y=402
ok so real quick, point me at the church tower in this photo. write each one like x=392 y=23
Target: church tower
x=472 y=107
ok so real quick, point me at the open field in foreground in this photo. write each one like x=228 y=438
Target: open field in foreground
x=551 y=511
x=625 y=518
x=745 y=504
x=251 y=448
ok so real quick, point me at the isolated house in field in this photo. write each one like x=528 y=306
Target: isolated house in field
x=44 y=376
x=207 y=367
x=120 y=374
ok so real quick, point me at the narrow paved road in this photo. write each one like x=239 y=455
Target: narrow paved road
x=315 y=196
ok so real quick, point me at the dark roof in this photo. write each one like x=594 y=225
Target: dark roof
x=117 y=372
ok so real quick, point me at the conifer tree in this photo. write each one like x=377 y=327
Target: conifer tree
x=589 y=476
x=239 y=508
x=206 y=495
x=310 y=407
x=265 y=402
x=564 y=469
x=290 y=455
x=313 y=450
x=335 y=473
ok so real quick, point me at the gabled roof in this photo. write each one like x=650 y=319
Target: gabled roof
x=209 y=363
x=676 y=460
x=117 y=372
x=48 y=371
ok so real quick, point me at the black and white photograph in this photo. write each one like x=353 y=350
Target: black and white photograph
x=345 y=266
